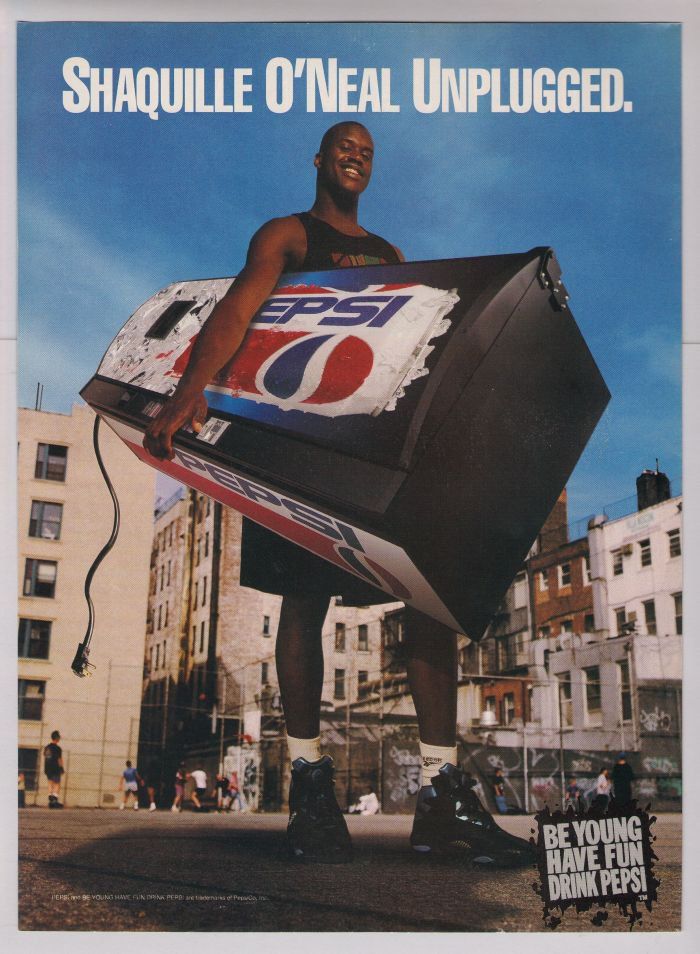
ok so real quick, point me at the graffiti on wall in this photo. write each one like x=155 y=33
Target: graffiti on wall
x=655 y=720
x=404 y=774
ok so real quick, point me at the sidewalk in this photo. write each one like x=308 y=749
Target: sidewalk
x=91 y=869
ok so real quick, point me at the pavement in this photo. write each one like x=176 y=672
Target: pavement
x=105 y=870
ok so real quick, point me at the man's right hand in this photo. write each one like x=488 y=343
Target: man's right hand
x=175 y=413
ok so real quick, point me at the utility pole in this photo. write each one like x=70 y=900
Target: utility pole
x=104 y=734
x=380 y=760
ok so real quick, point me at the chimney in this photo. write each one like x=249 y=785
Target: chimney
x=653 y=487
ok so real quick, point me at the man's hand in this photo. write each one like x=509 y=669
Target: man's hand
x=176 y=413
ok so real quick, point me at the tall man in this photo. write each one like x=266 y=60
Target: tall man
x=448 y=813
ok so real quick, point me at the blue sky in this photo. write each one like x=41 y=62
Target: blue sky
x=114 y=206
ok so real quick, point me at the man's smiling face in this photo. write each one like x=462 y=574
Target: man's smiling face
x=345 y=162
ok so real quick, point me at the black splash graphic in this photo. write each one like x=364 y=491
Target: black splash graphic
x=595 y=894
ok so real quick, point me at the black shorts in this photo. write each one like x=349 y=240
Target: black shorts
x=53 y=776
x=275 y=565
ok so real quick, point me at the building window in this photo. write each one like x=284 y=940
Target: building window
x=362 y=684
x=566 y=626
x=589 y=623
x=165 y=653
x=520 y=590
x=674 y=543
x=162 y=576
x=266 y=626
x=160 y=616
x=542 y=581
x=40 y=578
x=45 y=520
x=208 y=506
x=650 y=616
x=490 y=704
x=157 y=655
x=169 y=568
x=51 y=462
x=264 y=673
x=195 y=601
x=33 y=639
x=645 y=552
x=194 y=639
x=206 y=544
x=340 y=637
x=339 y=690
x=678 y=612
x=165 y=622
x=204 y=591
x=544 y=632
x=623 y=682
x=363 y=638
x=202 y=630
x=566 y=712
x=564 y=572
x=199 y=552
x=508 y=708
x=594 y=714
x=28 y=765
x=618 y=564
x=586 y=567
x=620 y=620
x=31 y=699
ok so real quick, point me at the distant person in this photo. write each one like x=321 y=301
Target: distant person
x=573 y=794
x=199 y=777
x=235 y=796
x=499 y=792
x=180 y=779
x=21 y=788
x=221 y=792
x=603 y=786
x=129 y=785
x=622 y=778
x=53 y=768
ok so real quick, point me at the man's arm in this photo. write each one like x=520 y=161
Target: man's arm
x=273 y=248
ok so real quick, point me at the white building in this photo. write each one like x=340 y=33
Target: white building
x=65 y=517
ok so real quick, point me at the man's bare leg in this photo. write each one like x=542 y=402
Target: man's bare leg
x=431 y=664
x=299 y=655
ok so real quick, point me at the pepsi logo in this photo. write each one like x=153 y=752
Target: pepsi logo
x=315 y=369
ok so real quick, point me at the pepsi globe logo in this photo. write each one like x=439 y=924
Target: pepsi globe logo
x=315 y=369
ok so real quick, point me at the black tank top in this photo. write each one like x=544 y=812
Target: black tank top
x=326 y=247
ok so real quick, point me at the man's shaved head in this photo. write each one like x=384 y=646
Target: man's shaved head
x=330 y=134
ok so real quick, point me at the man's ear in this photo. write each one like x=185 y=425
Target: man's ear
x=317 y=160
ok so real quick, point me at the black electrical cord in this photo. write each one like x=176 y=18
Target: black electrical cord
x=80 y=665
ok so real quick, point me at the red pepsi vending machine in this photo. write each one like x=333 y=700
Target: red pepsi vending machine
x=413 y=424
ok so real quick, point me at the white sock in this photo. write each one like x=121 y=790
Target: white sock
x=309 y=749
x=433 y=757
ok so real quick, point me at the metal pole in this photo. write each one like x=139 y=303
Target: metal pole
x=223 y=723
x=347 y=743
x=104 y=735
x=561 y=745
x=526 y=780
x=164 y=733
x=380 y=761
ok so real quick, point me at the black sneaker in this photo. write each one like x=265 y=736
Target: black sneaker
x=317 y=829
x=450 y=817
